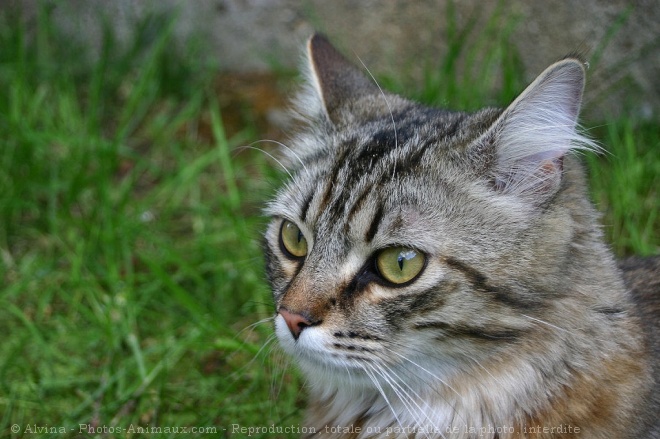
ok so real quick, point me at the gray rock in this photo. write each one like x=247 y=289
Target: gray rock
x=623 y=37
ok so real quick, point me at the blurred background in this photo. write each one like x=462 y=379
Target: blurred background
x=135 y=157
x=620 y=38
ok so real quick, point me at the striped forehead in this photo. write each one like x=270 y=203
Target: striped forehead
x=343 y=191
x=347 y=197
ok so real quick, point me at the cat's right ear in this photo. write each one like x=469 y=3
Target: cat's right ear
x=526 y=145
x=336 y=84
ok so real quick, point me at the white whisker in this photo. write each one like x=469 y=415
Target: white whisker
x=396 y=389
x=251 y=326
x=565 y=330
x=545 y=323
x=427 y=371
x=280 y=385
x=293 y=153
x=389 y=108
x=421 y=411
x=382 y=393
x=269 y=155
x=268 y=341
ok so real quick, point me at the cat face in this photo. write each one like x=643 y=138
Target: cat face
x=415 y=240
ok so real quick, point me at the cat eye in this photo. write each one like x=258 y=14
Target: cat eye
x=292 y=240
x=399 y=265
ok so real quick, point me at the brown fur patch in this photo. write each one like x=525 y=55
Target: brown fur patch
x=593 y=404
x=301 y=298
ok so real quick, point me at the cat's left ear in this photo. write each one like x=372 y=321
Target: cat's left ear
x=338 y=88
x=526 y=145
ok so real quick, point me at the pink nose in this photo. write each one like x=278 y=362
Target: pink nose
x=295 y=322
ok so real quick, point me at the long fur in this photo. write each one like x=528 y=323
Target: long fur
x=519 y=319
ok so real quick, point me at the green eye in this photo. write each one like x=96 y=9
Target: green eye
x=292 y=240
x=399 y=264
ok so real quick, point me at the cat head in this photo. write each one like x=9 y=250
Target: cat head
x=415 y=235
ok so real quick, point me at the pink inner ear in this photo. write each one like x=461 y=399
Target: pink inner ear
x=552 y=166
x=537 y=175
x=548 y=175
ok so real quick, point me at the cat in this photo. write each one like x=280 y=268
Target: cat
x=441 y=274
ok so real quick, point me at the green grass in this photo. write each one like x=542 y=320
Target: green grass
x=624 y=185
x=129 y=240
x=130 y=230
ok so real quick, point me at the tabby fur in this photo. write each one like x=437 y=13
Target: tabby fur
x=520 y=324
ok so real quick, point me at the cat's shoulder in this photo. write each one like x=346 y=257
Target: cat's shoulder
x=642 y=276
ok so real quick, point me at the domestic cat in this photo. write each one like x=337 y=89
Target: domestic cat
x=441 y=274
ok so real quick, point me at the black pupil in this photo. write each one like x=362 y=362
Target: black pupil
x=300 y=236
x=400 y=260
